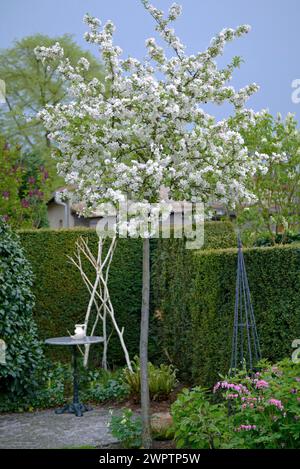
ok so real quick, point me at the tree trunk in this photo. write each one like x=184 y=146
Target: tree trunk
x=145 y=399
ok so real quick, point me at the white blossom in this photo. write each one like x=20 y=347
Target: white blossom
x=147 y=128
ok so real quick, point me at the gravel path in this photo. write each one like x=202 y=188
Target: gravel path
x=45 y=429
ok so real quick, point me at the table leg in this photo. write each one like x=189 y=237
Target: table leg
x=76 y=407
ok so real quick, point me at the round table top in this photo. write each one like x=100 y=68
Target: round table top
x=70 y=341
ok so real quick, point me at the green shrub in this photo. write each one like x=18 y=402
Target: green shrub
x=162 y=380
x=197 y=423
x=127 y=428
x=101 y=385
x=53 y=388
x=195 y=304
x=256 y=412
x=265 y=410
x=17 y=326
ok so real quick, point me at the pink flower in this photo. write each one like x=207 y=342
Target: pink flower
x=276 y=403
x=261 y=384
x=239 y=388
x=25 y=203
x=249 y=399
x=246 y=428
x=5 y=194
x=31 y=180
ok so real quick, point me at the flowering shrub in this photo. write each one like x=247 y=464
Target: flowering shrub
x=267 y=413
x=261 y=411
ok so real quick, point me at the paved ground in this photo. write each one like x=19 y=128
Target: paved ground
x=45 y=429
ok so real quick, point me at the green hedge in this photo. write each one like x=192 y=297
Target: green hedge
x=172 y=274
x=196 y=304
x=61 y=297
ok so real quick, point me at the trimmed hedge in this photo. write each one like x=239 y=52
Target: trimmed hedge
x=61 y=297
x=172 y=273
x=196 y=304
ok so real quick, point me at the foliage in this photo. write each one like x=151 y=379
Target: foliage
x=54 y=387
x=198 y=424
x=101 y=385
x=162 y=380
x=287 y=237
x=23 y=188
x=127 y=428
x=195 y=305
x=257 y=412
x=277 y=207
x=17 y=326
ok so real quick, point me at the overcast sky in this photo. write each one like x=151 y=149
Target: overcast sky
x=270 y=51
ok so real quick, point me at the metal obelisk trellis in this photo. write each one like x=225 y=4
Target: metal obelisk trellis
x=245 y=341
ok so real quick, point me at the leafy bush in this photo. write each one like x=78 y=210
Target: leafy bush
x=127 y=428
x=280 y=238
x=17 y=326
x=101 y=385
x=265 y=407
x=257 y=412
x=162 y=380
x=198 y=424
x=54 y=387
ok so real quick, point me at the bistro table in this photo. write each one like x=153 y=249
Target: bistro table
x=76 y=407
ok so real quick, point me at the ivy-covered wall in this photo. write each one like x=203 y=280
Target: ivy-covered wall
x=195 y=302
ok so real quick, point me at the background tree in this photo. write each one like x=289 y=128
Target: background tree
x=150 y=131
x=17 y=327
x=30 y=86
x=24 y=187
x=276 y=209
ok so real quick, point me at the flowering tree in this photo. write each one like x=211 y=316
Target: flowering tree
x=146 y=129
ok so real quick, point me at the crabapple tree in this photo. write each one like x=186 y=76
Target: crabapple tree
x=146 y=128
